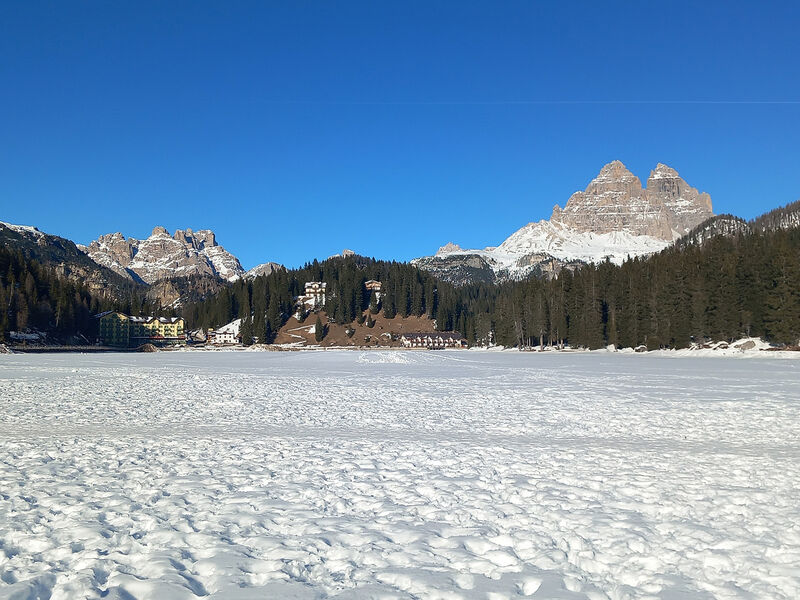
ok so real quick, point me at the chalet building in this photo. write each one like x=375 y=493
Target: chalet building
x=374 y=286
x=315 y=294
x=221 y=337
x=196 y=336
x=125 y=331
x=433 y=340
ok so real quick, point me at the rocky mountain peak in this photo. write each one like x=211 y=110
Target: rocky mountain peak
x=163 y=256
x=615 y=170
x=448 y=248
x=343 y=254
x=613 y=218
x=663 y=171
x=613 y=178
x=615 y=201
x=204 y=238
x=264 y=269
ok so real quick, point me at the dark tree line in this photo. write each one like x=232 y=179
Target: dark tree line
x=265 y=303
x=33 y=296
x=728 y=287
x=747 y=284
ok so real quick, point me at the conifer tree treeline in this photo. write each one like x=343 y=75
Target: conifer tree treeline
x=33 y=296
x=265 y=303
x=726 y=288
x=730 y=287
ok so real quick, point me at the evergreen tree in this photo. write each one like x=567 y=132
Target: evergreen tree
x=373 y=304
x=782 y=318
x=246 y=330
x=319 y=330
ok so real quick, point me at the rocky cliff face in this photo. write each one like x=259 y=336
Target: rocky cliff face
x=615 y=201
x=161 y=256
x=614 y=217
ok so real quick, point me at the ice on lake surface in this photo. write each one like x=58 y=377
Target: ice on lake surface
x=398 y=475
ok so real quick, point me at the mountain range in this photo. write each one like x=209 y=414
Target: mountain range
x=615 y=217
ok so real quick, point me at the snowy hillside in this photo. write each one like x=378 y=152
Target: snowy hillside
x=546 y=237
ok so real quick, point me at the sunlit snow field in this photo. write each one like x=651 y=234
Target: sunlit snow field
x=389 y=474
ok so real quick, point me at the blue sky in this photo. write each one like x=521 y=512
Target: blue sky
x=296 y=129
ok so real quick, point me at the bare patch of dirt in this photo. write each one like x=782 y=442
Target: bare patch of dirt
x=384 y=332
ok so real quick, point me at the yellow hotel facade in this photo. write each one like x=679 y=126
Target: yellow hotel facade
x=125 y=331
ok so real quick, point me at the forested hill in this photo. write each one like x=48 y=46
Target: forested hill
x=785 y=217
x=62 y=254
x=728 y=287
x=742 y=284
x=38 y=297
x=269 y=300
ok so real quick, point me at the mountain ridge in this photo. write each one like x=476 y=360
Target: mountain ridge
x=66 y=258
x=614 y=218
x=161 y=256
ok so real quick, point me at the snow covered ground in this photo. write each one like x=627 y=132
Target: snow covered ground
x=401 y=475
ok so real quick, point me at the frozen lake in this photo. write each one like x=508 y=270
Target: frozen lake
x=398 y=475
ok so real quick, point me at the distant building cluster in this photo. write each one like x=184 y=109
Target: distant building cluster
x=433 y=340
x=224 y=336
x=315 y=294
x=125 y=331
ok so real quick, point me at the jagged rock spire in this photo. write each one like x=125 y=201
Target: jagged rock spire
x=616 y=201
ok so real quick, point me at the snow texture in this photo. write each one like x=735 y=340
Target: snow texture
x=399 y=475
x=566 y=244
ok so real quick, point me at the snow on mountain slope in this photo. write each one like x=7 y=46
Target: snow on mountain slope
x=232 y=327
x=23 y=229
x=614 y=218
x=162 y=256
x=266 y=268
x=567 y=244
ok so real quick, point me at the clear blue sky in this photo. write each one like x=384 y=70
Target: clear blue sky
x=296 y=129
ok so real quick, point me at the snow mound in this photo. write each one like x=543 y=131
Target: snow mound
x=381 y=357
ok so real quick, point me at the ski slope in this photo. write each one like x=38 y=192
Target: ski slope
x=398 y=475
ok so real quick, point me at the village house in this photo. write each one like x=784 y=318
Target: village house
x=125 y=331
x=374 y=286
x=433 y=340
x=315 y=294
x=224 y=336
x=196 y=336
